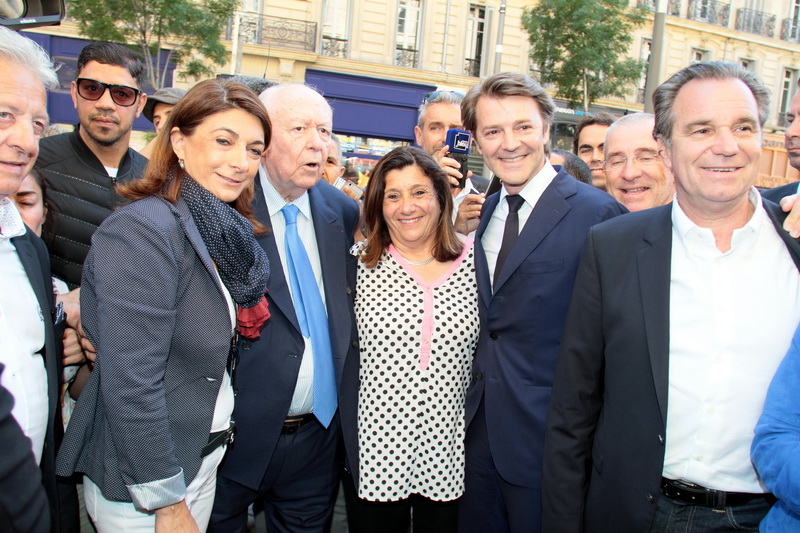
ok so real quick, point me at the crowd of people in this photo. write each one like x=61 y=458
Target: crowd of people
x=602 y=341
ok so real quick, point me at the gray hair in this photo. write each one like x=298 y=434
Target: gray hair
x=506 y=84
x=437 y=97
x=18 y=49
x=666 y=93
x=335 y=139
x=629 y=120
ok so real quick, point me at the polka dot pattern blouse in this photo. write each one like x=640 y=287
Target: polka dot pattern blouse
x=417 y=342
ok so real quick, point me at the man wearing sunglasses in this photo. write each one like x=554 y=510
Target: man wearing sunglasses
x=81 y=168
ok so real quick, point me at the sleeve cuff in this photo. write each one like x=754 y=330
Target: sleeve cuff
x=160 y=493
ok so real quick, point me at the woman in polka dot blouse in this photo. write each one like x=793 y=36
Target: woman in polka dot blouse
x=417 y=313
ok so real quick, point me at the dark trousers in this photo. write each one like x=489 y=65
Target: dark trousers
x=298 y=488
x=674 y=516
x=429 y=516
x=490 y=504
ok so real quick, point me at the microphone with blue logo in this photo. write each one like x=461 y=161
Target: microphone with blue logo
x=459 y=142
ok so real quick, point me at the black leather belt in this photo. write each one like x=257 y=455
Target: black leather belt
x=293 y=423
x=218 y=438
x=699 y=495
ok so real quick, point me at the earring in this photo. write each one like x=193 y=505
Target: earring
x=180 y=164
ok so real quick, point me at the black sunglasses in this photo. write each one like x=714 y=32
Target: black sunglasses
x=435 y=94
x=94 y=90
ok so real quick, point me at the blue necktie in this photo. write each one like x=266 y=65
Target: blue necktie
x=312 y=317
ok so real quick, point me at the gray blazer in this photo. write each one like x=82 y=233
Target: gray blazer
x=152 y=305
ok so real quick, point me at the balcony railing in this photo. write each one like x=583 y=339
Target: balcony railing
x=472 y=67
x=406 y=57
x=709 y=11
x=673 y=6
x=757 y=22
x=334 y=46
x=790 y=30
x=276 y=31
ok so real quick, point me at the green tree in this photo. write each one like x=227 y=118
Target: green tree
x=581 y=47
x=187 y=30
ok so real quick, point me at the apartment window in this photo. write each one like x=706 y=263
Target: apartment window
x=644 y=55
x=787 y=90
x=335 y=28
x=699 y=55
x=476 y=33
x=406 y=48
x=748 y=64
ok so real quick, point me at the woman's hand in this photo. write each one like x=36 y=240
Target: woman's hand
x=175 y=518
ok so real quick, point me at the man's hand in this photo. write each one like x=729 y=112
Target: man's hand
x=73 y=352
x=175 y=518
x=72 y=307
x=449 y=165
x=469 y=213
x=792 y=222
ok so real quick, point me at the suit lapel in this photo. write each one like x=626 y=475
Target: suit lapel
x=777 y=216
x=654 y=265
x=547 y=213
x=196 y=240
x=481 y=266
x=332 y=245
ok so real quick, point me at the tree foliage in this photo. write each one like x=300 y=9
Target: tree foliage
x=581 y=47
x=187 y=30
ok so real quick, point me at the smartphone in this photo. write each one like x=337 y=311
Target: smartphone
x=459 y=142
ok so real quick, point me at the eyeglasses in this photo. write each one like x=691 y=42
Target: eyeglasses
x=94 y=90
x=436 y=94
x=618 y=162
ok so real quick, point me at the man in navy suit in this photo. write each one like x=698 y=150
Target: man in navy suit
x=30 y=347
x=527 y=248
x=679 y=318
x=286 y=453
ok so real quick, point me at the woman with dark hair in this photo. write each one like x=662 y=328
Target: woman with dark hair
x=159 y=296
x=417 y=313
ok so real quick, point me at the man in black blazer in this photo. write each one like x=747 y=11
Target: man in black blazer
x=522 y=301
x=791 y=140
x=679 y=317
x=285 y=453
x=30 y=345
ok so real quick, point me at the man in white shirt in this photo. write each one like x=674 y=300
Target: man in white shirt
x=28 y=346
x=681 y=315
x=287 y=453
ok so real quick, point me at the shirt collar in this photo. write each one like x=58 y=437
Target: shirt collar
x=276 y=202
x=689 y=232
x=534 y=189
x=11 y=224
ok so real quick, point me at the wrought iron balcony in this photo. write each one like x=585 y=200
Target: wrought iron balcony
x=406 y=57
x=757 y=22
x=709 y=11
x=790 y=30
x=334 y=46
x=276 y=31
x=472 y=67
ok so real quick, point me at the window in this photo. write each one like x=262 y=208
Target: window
x=699 y=55
x=788 y=85
x=406 y=48
x=335 y=28
x=748 y=64
x=476 y=33
x=644 y=55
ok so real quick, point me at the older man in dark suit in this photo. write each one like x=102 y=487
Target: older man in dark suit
x=680 y=316
x=527 y=248
x=289 y=383
x=29 y=347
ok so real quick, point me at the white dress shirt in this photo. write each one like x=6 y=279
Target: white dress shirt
x=303 y=398
x=732 y=318
x=492 y=237
x=21 y=335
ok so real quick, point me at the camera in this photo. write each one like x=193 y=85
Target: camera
x=459 y=142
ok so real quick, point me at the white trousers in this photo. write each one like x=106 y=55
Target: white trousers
x=123 y=517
